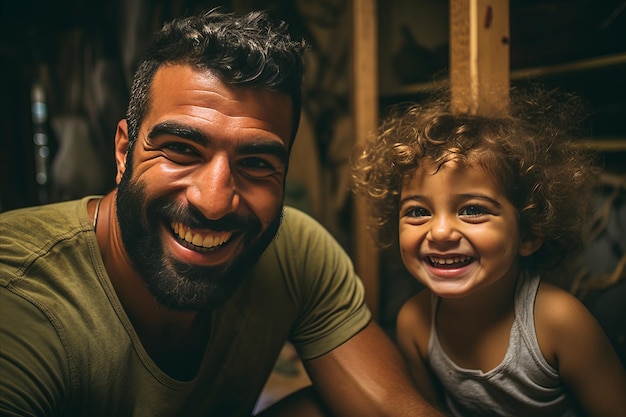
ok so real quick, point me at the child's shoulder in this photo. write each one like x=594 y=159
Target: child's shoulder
x=413 y=322
x=420 y=303
x=556 y=305
x=560 y=317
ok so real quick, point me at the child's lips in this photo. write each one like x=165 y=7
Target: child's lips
x=455 y=261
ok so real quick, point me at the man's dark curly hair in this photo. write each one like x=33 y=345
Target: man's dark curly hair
x=531 y=154
x=251 y=50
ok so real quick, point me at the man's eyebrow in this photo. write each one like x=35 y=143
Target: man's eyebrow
x=275 y=148
x=179 y=130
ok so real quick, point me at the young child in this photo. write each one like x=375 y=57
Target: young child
x=482 y=207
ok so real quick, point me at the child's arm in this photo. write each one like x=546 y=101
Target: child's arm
x=412 y=334
x=573 y=341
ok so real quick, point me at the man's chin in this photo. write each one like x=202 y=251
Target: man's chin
x=183 y=287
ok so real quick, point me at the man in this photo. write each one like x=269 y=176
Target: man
x=173 y=294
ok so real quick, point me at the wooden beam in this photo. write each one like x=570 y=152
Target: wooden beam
x=480 y=57
x=365 y=114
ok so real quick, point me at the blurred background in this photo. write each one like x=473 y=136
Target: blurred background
x=66 y=67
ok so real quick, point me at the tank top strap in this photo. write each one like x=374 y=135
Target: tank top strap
x=525 y=295
x=434 y=305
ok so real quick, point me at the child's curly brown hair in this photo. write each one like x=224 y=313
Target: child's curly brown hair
x=531 y=154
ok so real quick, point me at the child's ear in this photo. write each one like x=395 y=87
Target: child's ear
x=528 y=247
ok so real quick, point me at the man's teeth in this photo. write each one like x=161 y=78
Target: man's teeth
x=206 y=240
x=448 y=261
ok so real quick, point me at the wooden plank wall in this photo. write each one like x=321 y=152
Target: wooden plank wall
x=480 y=56
x=365 y=110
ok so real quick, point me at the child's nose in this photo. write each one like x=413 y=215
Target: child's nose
x=443 y=229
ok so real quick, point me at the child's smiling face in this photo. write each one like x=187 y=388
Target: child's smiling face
x=458 y=232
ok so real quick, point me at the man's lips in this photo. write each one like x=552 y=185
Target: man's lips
x=205 y=240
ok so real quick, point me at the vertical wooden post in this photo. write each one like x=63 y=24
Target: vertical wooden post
x=365 y=114
x=480 y=56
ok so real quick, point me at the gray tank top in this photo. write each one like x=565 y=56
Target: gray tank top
x=524 y=384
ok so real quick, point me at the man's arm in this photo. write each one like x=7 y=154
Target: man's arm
x=366 y=376
x=302 y=403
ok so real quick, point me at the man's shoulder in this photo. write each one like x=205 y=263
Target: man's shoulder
x=300 y=230
x=40 y=219
x=40 y=225
x=293 y=215
x=300 y=240
x=32 y=234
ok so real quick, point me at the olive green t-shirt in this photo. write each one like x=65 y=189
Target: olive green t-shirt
x=68 y=348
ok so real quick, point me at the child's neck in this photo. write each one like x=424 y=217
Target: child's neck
x=475 y=330
x=491 y=300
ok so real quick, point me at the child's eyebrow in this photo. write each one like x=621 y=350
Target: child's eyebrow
x=414 y=197
x=458 y=198
x=485 y=197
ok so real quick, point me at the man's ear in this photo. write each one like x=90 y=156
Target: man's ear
x=121 y=148
x=528 y=247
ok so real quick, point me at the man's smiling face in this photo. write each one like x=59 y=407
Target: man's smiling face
x=201 y=191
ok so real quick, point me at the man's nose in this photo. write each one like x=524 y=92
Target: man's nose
x=213 y=188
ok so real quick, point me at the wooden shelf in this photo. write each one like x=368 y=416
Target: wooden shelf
x=589 y=64
x=616 y=144
x=605 y=144
x=607 y=61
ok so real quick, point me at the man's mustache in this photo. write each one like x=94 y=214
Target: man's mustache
x=193 y=218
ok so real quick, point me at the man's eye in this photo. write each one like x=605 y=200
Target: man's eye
x=178 y=147
x=256 y=163
x=179 y=152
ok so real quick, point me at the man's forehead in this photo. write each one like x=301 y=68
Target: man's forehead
x=185 y=88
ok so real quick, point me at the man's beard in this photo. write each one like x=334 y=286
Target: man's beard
x=174 y=284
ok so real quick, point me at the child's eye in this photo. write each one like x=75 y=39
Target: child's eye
x=473 y=211
x=417 y=212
